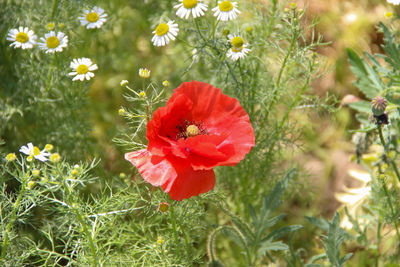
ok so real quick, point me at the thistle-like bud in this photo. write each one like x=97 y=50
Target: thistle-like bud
x=378 y=105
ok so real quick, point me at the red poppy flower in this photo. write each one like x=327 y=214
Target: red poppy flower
x=198 y=129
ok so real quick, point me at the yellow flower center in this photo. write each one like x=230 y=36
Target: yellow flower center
x=162 y=29
x=192 y=131
x=225 y=6
x=52 y=42
x=36 y=151
x=22 y=37
x=237 y=49
x=82 y=69
x=237 y=41
x=189 y=3
x=92 y=17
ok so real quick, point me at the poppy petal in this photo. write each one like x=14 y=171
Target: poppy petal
x=189 y=183
x=154 y=169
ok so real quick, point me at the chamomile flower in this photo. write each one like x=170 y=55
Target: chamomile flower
x=164 y=32
x=394 y=2
x=226 y=10
x=53 y=42
x=34 y=152
x=187 y=7
x=144 y=73
x=83 y=68
x=239 y=48
x=93 y=18
x=22 y=37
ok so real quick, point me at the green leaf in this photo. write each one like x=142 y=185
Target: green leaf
x=271 y=246
x=390 y=47
x=336 y=235
x=321 y=223
x=368 y=80
x=282 y=231
x=361 y=106
x=367 y=129
x=234 y=236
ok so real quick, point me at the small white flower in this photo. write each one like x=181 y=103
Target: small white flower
x=93 y=18
x=53 y=42
x=22 y=37
x=239 y=48
x=83 y=68
x=34 y=152
x=164 y=32
x=226 y=10
x=144 y=73
x=394 y=2
x=187 y=7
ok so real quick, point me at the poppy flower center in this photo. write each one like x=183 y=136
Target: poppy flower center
x=162 y=29
x=22 y=37
x=192 y=131
x=189 y=3
x=189 y=129
x=92 y=17
x=225 y=6
x=52 y=42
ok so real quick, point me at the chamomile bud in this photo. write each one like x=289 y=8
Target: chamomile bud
x=165 y=83
x=35 y=172
x=50 y=26
x=11 y=157
x=142 y=94
x=124 y=82
x=48 y=147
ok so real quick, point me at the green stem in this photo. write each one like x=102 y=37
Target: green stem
x=392 y=163
x=173 y=221
x=290 y=108
x=199 y=31
x=389 y=200
x=378 y=241
x=13 y=217
x=88 y=234
x=53 y=10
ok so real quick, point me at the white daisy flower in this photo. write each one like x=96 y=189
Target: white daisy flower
x=83 y=68
x=22 y=37
x=164 y=32
x=53 y=42
x=394 y=2
x=144 y=73
x=93 y=18
x=239 y=48
x=226 y=10
x=187 y=7
x=34 y=152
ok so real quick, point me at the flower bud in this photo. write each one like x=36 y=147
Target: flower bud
x=142 y=94
x=11 y=157
x=50 y=26
x=31 y=184
x=163 y=207
x=165 y=83
x=48 y=147
x=123 y=82
x=35 y=172
x=378 y=105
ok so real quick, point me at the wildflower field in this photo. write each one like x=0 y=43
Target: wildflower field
x=199 y=133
